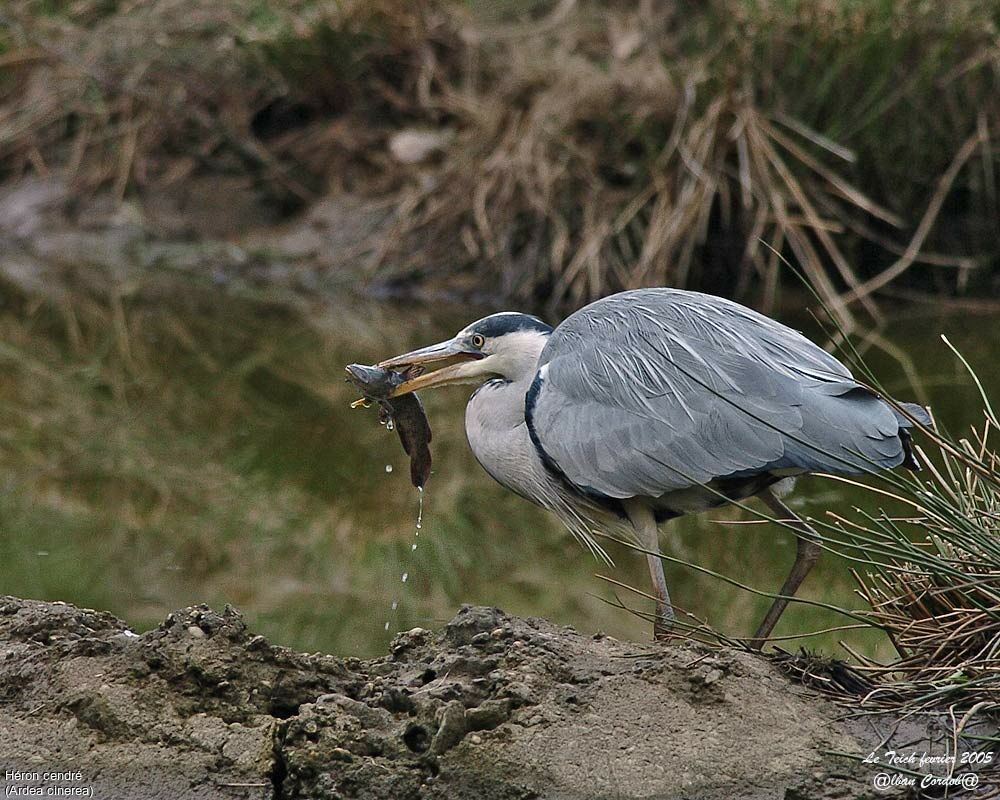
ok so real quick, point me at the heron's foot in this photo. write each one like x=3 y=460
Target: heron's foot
x=663 y=624
x=807 y=550
x=763 y=632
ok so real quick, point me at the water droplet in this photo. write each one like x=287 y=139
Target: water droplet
x=413 y=546
x=388 y=467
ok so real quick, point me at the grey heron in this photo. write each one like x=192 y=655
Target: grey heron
x=654 y=403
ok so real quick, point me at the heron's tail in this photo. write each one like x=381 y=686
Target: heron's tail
x=922 y=416
x=915 y=410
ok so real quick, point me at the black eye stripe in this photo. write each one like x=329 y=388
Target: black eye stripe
x=498 y=325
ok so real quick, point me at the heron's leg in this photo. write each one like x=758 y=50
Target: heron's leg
x=806 y=553
x=644 y=522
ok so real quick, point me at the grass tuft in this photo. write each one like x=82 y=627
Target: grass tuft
x=932 y=577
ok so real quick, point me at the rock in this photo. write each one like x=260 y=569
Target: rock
x=487 y=715
x=451 y=727
x=532 y=711
x=27 y=206
x=413 y=145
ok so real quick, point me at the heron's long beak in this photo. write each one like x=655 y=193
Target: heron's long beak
x=450 y=350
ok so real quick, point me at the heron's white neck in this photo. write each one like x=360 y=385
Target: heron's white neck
x=516 y=357
x=496 y=428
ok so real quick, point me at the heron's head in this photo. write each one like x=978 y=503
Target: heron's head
x=503 y=346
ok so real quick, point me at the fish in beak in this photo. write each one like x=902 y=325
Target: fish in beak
x=464 y=370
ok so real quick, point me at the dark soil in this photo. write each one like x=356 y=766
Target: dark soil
x=491 y=707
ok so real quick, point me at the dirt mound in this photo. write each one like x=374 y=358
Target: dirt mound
x=182 y=711
x=492 y=707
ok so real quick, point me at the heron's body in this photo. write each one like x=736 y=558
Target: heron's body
x=498 y=435
x=654 y=403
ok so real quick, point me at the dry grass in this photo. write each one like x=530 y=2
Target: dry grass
x=929 y=572
x=134 y=96
x=610 y=147
x=597 y=145
x=937 y=596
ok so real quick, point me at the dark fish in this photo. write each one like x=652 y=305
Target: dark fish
x=406 y=412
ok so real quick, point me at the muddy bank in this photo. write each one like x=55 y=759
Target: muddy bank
x=53 y=240
x=493 y=706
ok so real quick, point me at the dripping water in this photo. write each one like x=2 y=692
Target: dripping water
x=420 y=508
x=394 y=607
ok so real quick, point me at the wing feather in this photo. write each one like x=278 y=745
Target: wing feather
x=657 y=390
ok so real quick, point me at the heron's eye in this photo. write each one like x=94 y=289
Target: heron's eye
x=478 y=340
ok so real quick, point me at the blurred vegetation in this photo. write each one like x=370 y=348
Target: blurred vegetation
x=589 y=146
x=172 y=444
x=165 y=442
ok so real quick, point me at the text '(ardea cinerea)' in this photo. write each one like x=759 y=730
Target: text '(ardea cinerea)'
x=654 y=403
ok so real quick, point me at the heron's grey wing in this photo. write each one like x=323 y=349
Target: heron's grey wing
x=656 y=390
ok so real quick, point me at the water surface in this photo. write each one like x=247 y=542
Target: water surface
x=197 y=446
